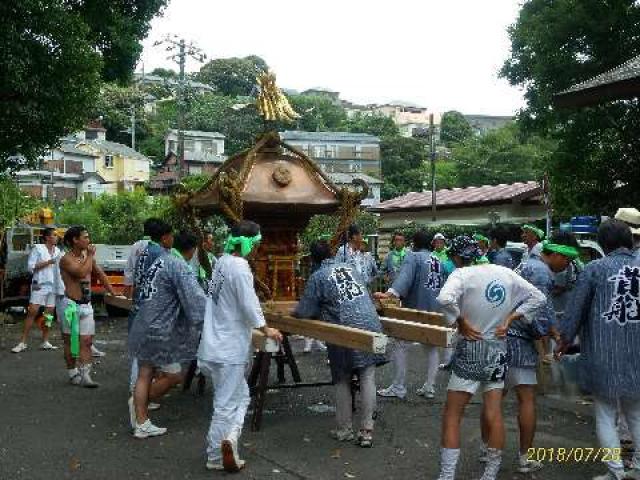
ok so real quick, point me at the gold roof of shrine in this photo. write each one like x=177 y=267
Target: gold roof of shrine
x=270 y=177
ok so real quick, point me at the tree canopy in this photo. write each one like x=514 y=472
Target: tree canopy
x=54 y=54
x=560 y=43
x=232 y=76
x=454 y=128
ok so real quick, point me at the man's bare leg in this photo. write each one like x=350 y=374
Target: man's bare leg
x=141 y=393
x=32 y=313
x=451 y=418
x=526 y=416
x=492 y=406
x=163 y=384
x=85 y=361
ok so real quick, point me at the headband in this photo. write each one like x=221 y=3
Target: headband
x=246 y=244
x=539 y=233
x=478 y=237
x=566 y=250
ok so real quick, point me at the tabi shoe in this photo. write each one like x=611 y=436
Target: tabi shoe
x=85 y=377
x=230 y=461
x=612 y=475
x=492 y=467
x=365 y=439
x=47 y=346
x=215 y=465
x=342 y=434
x=427 y=391
x=148 y=429
x=74 y=377
x=95 y=353
x=132 y=413
x=525 y=465
x=393 y=391
x=21 y=347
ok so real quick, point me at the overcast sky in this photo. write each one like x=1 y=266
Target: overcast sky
x=441 y=54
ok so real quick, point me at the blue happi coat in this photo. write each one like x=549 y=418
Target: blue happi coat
x=148 y=255
x=504 y=258
x=605 y=313
x=419 y=281
x=392 y=266
x=171 y=311
x=337 y=293
x=521 y=349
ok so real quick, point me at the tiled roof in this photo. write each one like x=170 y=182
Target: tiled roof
x=105 y=146
x=346 y=178
x=462 y=197
x=289 y=135
x=67 y=147
x=626 y=71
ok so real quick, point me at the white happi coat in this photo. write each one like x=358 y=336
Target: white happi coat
x=232 y=312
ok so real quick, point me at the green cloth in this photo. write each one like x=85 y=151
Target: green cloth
x=478 y=237
x=566 y=250
x=202 y=274
x=48 y=319
x=246 y=244
x=397 y=256
x=539 y=233
x=442 y=255
x=483 y=260
x=72 y=317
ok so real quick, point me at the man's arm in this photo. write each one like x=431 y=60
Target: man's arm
x=404 y=280
x=580 y=300
x=529 y=299
x=78 y=269
x=449 y=297
x=250 y=304
x=104 y=280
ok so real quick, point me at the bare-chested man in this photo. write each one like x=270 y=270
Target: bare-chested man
x=76 y=312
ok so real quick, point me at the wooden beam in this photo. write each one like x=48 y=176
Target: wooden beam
x=335 y=334
x=412 y=315
x=119 y=302
x=417 y=332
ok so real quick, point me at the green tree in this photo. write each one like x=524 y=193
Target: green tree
x=454 y=128
x=500 y=156
x=165 y=73
x=317 y=113
x=378 y=125
x=560 y=43
x=14 y=204
x=402 y=165
x=232 y=76
x=114 y=105
x=53 y=54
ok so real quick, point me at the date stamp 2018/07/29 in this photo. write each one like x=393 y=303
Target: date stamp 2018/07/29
x=574 y=454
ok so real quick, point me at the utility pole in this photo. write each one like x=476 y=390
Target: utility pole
x=432 y=148
x=180 y=51
x=133 y=127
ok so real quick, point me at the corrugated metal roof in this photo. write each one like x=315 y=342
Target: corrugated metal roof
x=462 y=197
x=289 y=135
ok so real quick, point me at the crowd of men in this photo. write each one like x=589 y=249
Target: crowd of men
x=189 y=307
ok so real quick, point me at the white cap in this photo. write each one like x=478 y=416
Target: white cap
x=439 y=236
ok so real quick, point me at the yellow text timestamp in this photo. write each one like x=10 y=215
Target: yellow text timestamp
x=574 y=454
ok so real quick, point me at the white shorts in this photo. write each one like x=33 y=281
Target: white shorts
x=520 y=376
x=171 y=368
x=458 y=384
x=85 y=312
x=43 y=296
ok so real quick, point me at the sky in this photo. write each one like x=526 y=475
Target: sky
x=439 y=54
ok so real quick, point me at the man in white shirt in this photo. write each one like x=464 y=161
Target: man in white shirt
x=483 y=300
x=232 y=312
x=42 y=265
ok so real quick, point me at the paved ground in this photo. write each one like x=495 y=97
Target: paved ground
x=50 y=430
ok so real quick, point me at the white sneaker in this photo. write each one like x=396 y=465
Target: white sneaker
x=484 y=453
x=148 y=429
x=47 y=346
x=132 y=413
x=76 y=379
x=427 y=391
x=21 y=347
x=230 y=461
x=96 y=353
x=215 y=465
x=153 y=406
x=525 y=465
x=393 y=392
x=342 y=434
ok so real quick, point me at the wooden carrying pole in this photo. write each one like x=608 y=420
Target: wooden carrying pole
x=412 y=315
x=335 y=334
x=417 y=332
